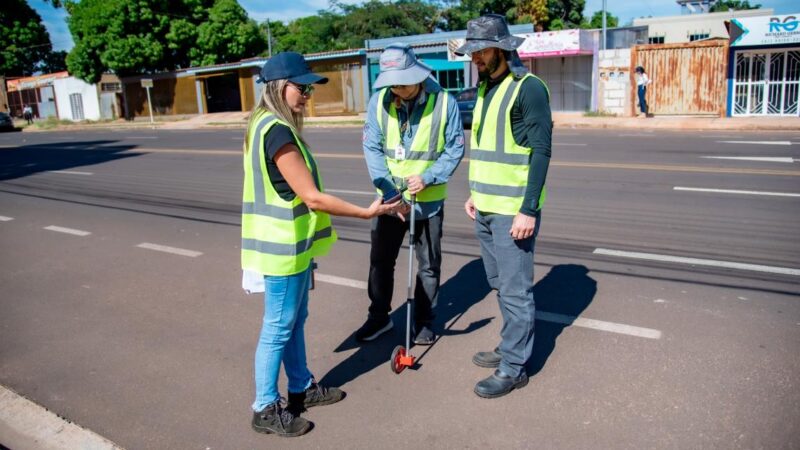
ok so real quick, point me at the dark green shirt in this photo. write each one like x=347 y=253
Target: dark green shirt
x=532 y=126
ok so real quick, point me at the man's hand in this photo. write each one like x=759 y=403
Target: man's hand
x=415 y=184
x=469 y=208
x=522 y=227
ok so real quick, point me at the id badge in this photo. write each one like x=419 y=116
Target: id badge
x=399 y=152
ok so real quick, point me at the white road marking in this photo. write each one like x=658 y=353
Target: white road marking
x=611 y=327
x=777 y=159
x=619 y=328
x=345 y=191
x=333 y=279
x=173 y=250
x=733 y=191
x=5 y=219
x=70 y=172
x=756 y=142
x=698 y=261
x=67 y=230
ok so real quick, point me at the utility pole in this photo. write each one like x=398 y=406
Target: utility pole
x=604 y=25
x=269 y=39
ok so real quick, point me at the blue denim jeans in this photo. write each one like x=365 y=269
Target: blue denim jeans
x=642 y=91
x=282 y=338
x=509 y=270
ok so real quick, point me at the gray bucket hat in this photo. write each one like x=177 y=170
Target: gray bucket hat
x=400 y=66
x=490 y=30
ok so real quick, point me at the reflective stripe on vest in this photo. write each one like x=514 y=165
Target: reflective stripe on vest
x=279 y=237
x=426 y=145
x=498 y=166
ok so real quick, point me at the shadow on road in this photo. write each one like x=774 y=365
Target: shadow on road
x=456 y=296
x=566 y=290
x=25 y=160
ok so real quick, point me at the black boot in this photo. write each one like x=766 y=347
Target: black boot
x=317 y=395
x=276 y=420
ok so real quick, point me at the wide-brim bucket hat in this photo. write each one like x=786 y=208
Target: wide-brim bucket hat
x=490 y=30
x=400 y=67
x=289 y=66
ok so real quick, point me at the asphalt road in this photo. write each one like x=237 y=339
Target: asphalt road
x=667 y=297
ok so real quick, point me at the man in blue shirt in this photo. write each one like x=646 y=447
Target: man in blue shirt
x=413 y=140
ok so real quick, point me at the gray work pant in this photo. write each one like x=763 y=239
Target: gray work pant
x=509 y=270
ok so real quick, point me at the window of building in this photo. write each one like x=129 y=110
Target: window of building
x=655 y=40
x=450 y=80
x=110 y=87
x=697 y=36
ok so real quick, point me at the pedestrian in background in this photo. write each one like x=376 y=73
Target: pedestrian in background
x=509 y=157
x=27 y=114
x=413 y=138
x=285 y=224
x=642 y=81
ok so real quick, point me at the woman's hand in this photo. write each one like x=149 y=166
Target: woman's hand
x=378 y=208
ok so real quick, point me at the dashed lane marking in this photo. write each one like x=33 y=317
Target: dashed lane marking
x=775 y=159
x=593 y=324
x=733 y=191
x=64 y=230
x=756 y=142
x=70 y=172
x=5 y=219
x=698 y=261
x=167 y=249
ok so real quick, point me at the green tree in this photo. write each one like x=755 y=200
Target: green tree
x=533 y=11
x=727 y=5
x=143 y=36
x=597 y=20
x=54 y=62
x=565 y=14
x=382 y=19
x=24 y=41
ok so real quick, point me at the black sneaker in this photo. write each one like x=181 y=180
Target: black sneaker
x=487 y=359
x=276 y=420
x=372 y=329
x=317 y=395
x=426 y=336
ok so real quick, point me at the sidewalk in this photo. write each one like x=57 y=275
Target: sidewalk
x=238 y=120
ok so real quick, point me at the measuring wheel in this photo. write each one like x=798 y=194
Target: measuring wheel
x=398 y=354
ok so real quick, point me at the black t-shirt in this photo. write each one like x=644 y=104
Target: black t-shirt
x=278 y=136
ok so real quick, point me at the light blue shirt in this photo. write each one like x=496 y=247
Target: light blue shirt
x=411 y=112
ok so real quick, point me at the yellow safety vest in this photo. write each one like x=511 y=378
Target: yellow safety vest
x=498 y=166
x=279 y=237
x=427 y=144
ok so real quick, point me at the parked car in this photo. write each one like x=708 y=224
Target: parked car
x=6 y=122
x=466 y=103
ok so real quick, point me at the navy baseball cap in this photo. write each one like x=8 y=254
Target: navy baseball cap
x=289 y=66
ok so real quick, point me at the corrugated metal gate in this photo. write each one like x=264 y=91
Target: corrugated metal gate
x=686 y=78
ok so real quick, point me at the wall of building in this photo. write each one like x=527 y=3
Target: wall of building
x=170 y=96
x=679 y=29
x=615 y=82
x=67 y=87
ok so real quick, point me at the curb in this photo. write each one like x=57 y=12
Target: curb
x=26 y=425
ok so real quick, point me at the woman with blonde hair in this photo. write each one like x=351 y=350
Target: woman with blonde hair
x=285 y=224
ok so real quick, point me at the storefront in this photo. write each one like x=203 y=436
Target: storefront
x=764 y=69
x=567 y=61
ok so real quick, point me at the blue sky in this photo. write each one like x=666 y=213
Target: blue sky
x=626 y=10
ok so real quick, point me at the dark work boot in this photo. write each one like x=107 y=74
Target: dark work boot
x=317 y=395
x=276 y=420
x=487 y=359
x=500 y=384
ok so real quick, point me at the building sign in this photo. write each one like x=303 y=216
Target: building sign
x=34 y=82
x=555 y=43
x=147 y=82
x=765 y=30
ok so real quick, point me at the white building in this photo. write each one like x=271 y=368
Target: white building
x=76 y=99
x=693 y=27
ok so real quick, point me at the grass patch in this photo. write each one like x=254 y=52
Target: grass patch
x=600 y=113
x=51 y=122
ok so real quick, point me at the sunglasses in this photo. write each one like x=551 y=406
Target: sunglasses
x=305 y=89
